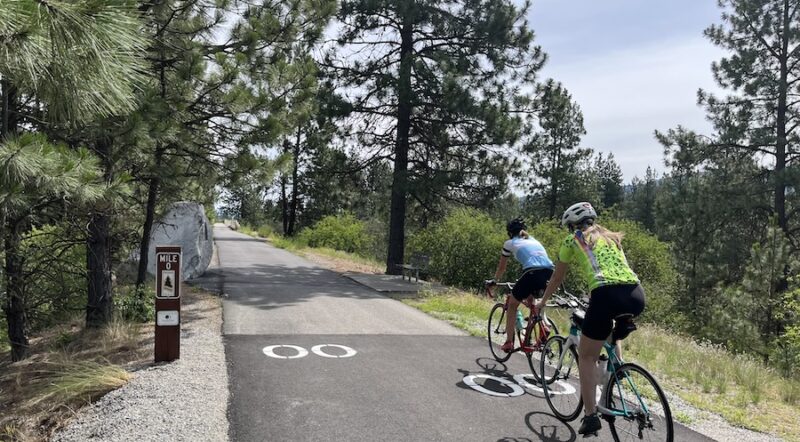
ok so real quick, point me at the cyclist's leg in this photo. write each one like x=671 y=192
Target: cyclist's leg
x=511 y=318
x=597 y=326
x=588 y=354
x=519 y=293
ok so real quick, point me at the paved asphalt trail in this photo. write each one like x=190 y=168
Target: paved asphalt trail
x=405 y=383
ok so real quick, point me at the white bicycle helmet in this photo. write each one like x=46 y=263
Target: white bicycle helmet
x=578 y=213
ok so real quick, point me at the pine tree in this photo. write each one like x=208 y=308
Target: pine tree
x=558 y=165
x=609 y=177
x=430 y=81
x=208 y=101
x=38 y=182
x=75 y=62
x=710 y=208
x=761 y=73
x=641 y=200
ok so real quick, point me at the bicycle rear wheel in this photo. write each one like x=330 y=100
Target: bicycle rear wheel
x=635 y=393
x=559 y=364
x=497 y=332
x=534 y=332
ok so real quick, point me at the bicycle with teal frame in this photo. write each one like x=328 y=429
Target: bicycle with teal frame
x=631 y=401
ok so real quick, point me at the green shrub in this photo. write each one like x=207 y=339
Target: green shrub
x=786 y=348
x=339 y=232
x=135 y=306
x=463 y=248
x=265 y=231
x=55 y=274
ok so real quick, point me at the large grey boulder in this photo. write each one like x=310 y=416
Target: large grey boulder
x=185 y=224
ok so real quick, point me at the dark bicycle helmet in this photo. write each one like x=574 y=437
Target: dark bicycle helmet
x=515 y=226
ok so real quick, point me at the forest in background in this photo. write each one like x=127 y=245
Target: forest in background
x=414 y=126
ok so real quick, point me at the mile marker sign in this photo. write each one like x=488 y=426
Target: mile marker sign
x=168 y=274
x=168 y=303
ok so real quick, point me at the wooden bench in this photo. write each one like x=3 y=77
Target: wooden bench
x=416 y=264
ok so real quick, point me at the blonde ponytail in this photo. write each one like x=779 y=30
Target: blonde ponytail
x=595 y=231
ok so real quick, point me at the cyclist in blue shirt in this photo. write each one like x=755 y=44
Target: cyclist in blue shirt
x=536 y=271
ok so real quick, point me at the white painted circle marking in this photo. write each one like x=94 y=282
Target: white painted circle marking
x=520 y=379
x=565 y=387
x=348 y=352
x=516 y=390
x=270 y=351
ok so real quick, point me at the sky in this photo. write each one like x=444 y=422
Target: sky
x=633 y=66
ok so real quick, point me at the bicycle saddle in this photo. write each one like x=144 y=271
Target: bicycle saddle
x=623 y=326
x=577 y=317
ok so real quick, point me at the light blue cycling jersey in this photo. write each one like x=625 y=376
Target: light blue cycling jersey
x=529 y=252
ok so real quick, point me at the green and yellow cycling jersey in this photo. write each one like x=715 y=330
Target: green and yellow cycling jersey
x=604 y=264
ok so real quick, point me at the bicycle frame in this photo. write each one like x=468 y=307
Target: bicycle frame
x=614 y=361
x=533 y=318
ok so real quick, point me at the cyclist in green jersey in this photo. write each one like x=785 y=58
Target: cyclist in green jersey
x=596 y=253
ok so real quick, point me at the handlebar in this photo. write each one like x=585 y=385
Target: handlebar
x=563 y=298
x=490 y=283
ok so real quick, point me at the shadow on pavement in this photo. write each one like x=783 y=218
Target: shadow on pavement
x=235 y=239
x=548 y=428
x=269 y=286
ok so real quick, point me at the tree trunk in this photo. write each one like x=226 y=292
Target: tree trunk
x=295 y=166
x=98 y=261
x=10 y=117
x=149 y=220
x=14 y=307
x=284 y=198
x=554 y=177
x=397 y=215
x=284 y=206
x=152 y=188
x=780 y=146
x=99 y=305
x=15 y=304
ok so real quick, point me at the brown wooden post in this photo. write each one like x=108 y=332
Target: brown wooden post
x=168 y=303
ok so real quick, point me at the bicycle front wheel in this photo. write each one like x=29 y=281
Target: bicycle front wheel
x=536 y=337
x=641 y=408
x=497 y=332
x=559 y=364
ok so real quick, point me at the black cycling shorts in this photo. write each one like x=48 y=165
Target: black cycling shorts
x=532 y=282
x=608 y=302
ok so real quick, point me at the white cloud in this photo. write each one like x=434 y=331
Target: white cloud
x=625 y=95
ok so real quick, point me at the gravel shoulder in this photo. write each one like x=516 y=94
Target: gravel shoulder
x=185 y=400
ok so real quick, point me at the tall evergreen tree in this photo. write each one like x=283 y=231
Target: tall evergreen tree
x=709 y=207
x=640 y=202
x=209 y=100
x=762 y=72
x=430 y=81
x=609 y=180
x=558 y=165
x=74 y=62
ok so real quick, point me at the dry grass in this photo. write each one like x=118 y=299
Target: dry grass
x=341 y=262
x=335 y=260
x=743 y=390
x=69 y=367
